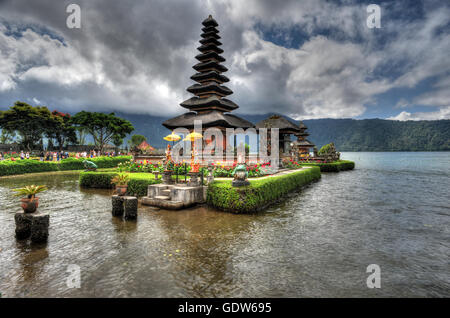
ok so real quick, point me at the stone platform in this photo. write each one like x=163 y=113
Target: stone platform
x=174 y=197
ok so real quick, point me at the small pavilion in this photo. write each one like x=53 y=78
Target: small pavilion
x=285 y=127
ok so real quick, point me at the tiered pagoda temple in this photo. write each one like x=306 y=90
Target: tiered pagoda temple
x=209 y=104
x=302 y=146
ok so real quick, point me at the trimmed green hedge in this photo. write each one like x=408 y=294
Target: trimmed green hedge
x=336 y=166
x=8 y=167
x=137 y=186
x=260 y=193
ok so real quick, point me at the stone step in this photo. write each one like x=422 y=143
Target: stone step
x=166 y=192
x=162 y=197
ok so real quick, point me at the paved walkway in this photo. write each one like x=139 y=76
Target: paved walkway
x=279 y=173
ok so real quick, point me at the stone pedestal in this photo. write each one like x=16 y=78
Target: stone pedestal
x=39 y=227
x=167 y=177
x=194 y=181
x=210 y=177
x=23 y=225
x=117 y=205
x=130 y=207
x=34 y=225
x=124 y=205
x=240 y=183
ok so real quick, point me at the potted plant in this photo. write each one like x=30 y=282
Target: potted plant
x=31 y=202
x=121 y=183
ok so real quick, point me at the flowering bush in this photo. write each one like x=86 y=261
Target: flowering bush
x=290 y=164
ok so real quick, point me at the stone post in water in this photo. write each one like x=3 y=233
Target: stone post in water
x=32 y=224
x=117 y=205
x=130 y=207
x=39 y=227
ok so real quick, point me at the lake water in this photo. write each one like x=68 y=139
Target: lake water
x=392 y=210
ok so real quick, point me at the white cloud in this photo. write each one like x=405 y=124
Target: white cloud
x=402 y=103
x=442 y=113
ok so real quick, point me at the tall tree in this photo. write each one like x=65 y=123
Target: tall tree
x=7 y=136
x=117 y=141
x=30 y=122
x=102 y=127
x=136 y=140
x=61 y=130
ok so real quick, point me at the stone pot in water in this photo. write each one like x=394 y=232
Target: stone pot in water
x=29 y=205
x=121 y=190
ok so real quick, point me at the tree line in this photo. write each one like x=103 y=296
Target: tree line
x=29 y=125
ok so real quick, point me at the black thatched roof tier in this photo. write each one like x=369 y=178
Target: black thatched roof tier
x=303 y=143
x=211 y=102
x=209 y=88
x=209 y=66
x=210 y=35
x=210 y=76
x=276 y=121
x=213 y=118
x=302 y=134
x=210 y=29
x=210 y=56
x=209 y=21
x=210 y=48
x=210 y=40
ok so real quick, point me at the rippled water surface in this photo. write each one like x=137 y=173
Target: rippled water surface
x=393 y=210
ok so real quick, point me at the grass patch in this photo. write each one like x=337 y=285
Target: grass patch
x=336 y=166
x=260 y=193
x=102 y=180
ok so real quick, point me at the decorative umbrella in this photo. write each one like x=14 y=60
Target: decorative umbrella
x=192 y=137
x=172 y=137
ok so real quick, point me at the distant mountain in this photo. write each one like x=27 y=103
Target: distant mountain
x=347 y=134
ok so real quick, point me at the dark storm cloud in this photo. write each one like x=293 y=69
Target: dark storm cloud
x=137 y=56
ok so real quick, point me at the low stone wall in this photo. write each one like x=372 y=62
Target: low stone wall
x=260 y=193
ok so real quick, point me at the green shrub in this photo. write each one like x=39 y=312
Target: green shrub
x=8 y=167
x=336 y=166
x=137 y=185
x=260 y=193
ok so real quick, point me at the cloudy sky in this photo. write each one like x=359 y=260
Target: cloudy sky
x=305 y=59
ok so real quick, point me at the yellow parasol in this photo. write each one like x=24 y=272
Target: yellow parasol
x=193 y=136
x=172 y=137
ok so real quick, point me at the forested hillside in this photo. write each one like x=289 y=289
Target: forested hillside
x=347 y=134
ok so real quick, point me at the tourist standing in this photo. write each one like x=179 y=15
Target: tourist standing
x=22 y=155
x=27 y=155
